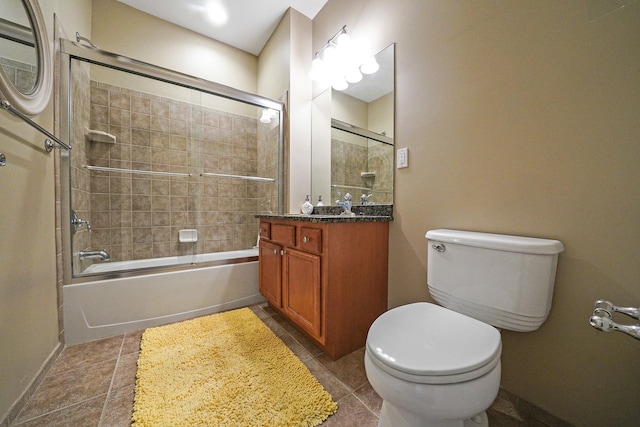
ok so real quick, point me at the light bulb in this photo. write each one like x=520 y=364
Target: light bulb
x=339 y=84
x=273 y=114
x=369 y=66
x=265 y=116
x=317 y=69
x=329 y=53
x=343 y=39
x=353 y=75
x=359 y=50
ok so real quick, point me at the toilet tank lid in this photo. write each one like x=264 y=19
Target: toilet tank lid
x=502 y=242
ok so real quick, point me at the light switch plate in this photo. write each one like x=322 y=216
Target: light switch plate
x=402 y=158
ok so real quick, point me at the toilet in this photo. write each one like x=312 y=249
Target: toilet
x=439 y=365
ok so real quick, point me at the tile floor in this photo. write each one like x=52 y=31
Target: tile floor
x=92 y=384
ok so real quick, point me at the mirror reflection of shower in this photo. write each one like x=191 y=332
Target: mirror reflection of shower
x=161 y=171
x=361 y=164
x=19 y=58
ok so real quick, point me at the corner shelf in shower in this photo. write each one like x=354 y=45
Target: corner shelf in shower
x=99 y=136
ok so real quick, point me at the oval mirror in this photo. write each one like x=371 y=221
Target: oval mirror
x=25 y=62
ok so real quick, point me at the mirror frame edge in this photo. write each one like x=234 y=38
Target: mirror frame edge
x=35 y=102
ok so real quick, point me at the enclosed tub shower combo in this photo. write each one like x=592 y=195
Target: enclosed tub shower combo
x=159 y=192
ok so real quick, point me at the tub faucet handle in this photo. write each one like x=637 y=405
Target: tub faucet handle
x=77 y=222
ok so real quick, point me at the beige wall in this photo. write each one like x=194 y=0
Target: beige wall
x=380 y=115
x=28 y=297
x=122 y=29
x=300 y=112
x=283 y=67
x=522 y=118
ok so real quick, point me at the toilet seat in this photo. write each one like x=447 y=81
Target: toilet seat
x=426 y=343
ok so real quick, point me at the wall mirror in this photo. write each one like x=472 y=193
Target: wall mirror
x=25 y=62
x=352 y=139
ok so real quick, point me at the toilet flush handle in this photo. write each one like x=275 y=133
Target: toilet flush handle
x=439 y=247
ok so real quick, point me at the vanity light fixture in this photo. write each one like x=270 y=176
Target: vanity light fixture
x=342 y=61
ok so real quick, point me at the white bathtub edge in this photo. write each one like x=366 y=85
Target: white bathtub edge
x=155 y=300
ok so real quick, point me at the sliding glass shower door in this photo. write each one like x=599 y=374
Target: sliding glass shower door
x=161 y=173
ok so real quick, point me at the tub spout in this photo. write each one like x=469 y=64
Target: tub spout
x=102 y=255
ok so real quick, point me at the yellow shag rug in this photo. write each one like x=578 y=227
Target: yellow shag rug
x=226 y=369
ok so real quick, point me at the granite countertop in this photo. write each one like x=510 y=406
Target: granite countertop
x=328 y=214
x=328 y=218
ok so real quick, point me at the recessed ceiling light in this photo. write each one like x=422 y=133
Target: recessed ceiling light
x=217 y=13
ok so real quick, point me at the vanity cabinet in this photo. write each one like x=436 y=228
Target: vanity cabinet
x=329 y=279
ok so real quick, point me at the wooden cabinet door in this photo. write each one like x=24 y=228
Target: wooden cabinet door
x=270 y=273
x=301 y=297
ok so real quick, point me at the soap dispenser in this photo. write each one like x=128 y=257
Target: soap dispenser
x=307 y=207
x=319 y=201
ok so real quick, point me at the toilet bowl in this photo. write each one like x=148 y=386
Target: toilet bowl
x=432 y=367
x=439 y=366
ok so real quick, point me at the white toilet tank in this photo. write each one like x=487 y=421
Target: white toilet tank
x=505 y=281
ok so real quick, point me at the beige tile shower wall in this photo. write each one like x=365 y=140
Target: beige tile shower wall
x=137 y=216
x=349 y=159
x=22 y=75
x=380 y=161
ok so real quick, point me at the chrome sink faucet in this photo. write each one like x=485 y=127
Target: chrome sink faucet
x=346 y=204
x=365 y=199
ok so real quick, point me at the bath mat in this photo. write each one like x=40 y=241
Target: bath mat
x=226 y=369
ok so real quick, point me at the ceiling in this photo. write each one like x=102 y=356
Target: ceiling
x=249 y=25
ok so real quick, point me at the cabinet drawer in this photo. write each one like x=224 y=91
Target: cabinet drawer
x=310 y=239
x=285 y=234
x=265 y=230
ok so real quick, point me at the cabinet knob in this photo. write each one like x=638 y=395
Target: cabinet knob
x=261 y=230
x=275 y=251
x=306 y=239
x=282 y=252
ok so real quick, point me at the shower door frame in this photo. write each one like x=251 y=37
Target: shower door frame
x=69 y=51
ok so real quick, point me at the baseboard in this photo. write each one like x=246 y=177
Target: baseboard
x=519 y=411
x=35 y=383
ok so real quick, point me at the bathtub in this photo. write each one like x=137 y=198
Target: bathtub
x=209 y=283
